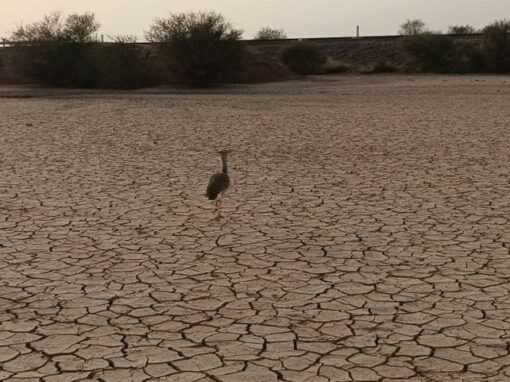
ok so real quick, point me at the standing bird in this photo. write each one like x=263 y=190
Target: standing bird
x=219 y=183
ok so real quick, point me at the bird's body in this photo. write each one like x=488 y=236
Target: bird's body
x=219 y=183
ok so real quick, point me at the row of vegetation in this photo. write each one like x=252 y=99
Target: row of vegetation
x=198 y=48
x=422 y=51
x=428 y=51
x=205 y=49
x=417 y=27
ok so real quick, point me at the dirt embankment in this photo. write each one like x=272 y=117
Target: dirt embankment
x=264 y=64
x=351 y=50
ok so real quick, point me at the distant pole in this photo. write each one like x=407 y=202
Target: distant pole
x=102 y=38
x=357 y=31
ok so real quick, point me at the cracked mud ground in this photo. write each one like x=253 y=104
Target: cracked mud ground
x=366 y=235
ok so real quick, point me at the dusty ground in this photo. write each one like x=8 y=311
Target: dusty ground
x=366 y=236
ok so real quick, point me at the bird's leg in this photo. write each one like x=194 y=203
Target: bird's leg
x=220 y=199
x=218 y=207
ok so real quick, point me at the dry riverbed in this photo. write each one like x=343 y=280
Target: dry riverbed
x=366 y=235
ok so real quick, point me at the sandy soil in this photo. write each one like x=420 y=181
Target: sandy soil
x=366 y=235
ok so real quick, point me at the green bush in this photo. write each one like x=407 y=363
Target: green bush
x=88 y=65
x=121 y=65
x=496 y=46
x=468 y=58
x=64 y=64
x=202 y=48
x=429 y=52
x=303 y=57
x=444 y=54
x=379 y=67
x=334 y=67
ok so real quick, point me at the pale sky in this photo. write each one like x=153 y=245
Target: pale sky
x=299 y=18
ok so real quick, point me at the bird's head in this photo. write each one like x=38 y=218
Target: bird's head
x=224 y=152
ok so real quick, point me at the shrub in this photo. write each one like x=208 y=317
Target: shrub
x=443 y=54
x=429 y=52
x=462 y=29
x=121 y=65
x=412 y=28
x=468 y=58
x=48 y=29
x=118 y=65
x=202 y=48
x=75 y=28
x=58 y=50
x=496 y=46
x=63 y=64
x=334 y=67
x=80 y=28
x=65 y=53
x=379 y=67
x=303 y=57
x=270 y=34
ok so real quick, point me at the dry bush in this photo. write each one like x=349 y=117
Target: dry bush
x=122 y=64
x=496 y=46
x=412 y=28
x=443 y=54
x=303 y=57
x=59 y=50
x=201 y=48
x=462 y=29
x=429 y=52
x=270 y=34
x=53 y=28
x=65 y=53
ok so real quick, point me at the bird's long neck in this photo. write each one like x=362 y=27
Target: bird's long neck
x=224 y=167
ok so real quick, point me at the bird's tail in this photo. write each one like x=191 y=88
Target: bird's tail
x=212 y=196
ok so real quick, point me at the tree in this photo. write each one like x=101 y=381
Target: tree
x=496 y=46
x=201 y=47
x=59 y=56
x=270 y=34
x=412 y=28
x=80 y=28
x=48 y=29
x=75 y=28
x=462 y=29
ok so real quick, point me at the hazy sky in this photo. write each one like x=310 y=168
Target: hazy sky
x=300 y=18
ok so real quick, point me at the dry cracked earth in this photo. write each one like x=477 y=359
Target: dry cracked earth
x=366 y=235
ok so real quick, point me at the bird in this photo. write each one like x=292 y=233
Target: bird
x=219 y=183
